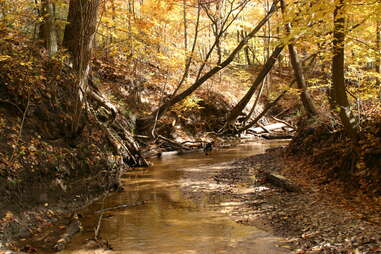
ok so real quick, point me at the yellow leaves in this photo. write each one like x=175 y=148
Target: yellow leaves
x=8 y=216
x=187 y=105
x=4 y=57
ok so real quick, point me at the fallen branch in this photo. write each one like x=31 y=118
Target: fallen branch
x=141 y=136
x=21 y=128
x=98 y=228
x=119 y=207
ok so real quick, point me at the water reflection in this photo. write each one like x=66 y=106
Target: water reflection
x=181 y=213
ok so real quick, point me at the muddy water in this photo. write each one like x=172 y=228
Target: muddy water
x=182 y=212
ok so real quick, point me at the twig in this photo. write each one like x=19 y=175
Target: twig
x=119 y=207
x=97 y=229
x=21 y=127
x=141 y=136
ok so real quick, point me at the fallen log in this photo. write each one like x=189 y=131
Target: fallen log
x=278 y=181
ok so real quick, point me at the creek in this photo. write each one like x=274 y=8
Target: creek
x=182 y=210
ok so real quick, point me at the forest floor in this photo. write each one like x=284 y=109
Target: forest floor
x=316 y=219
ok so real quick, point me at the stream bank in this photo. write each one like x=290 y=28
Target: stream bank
x=311 y=220
x=315 y=220
x=173 y=207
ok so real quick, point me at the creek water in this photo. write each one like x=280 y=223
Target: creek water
x=181 y=213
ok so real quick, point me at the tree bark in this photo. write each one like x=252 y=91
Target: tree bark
x=298 y=71
x=163 y=109
x=185 y=27
x=339 y=96
x=190 y=57
x=48 y=27
x=79 y=40
x=378 y=53
x=234 y=113
x=255 y=103
x=246 y=49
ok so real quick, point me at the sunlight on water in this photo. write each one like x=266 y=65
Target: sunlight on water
x=172 y=219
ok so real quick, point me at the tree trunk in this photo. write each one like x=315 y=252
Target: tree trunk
x=339 y=96
x=185 y=28
x=246 y=49
x=190 y=57
x=263 y=113
x=298 y=72
x=378 y=53
x=48 y=27
x=247 y=118
x=234 y=113
x=79 y=39
x=147 y=123
x=217 y=26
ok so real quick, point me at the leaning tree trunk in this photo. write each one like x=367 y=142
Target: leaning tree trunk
x=237 y=110
x=298 y=71
x=79 y=39
x=48 y=27
x=339 y=96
